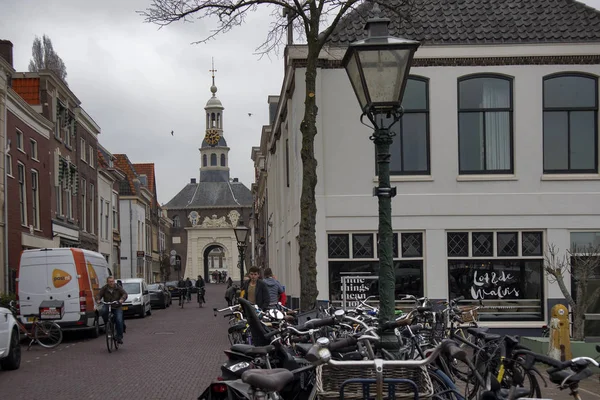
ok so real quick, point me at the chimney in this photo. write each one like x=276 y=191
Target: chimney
x=136 y=184
x=6 y=51
x=193 y=180
x=235 y=179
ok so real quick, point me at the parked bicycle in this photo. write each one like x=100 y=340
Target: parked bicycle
x=45 y=333
x=112 y=343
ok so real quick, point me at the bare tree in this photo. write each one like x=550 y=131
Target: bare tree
x=307 y=18
x=165 y=267
x=583 y=264
x=45 y=58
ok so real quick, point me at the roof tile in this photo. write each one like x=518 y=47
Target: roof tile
x=480 y=22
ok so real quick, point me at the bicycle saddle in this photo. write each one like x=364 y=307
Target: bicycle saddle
x=249 y=350
x=270 y=380
x=483 y=335
x=519 y=392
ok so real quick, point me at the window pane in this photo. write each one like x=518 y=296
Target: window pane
x=532 y=243
x=570 y=92
x=458 y=244
x=470 y=138
x=483 y=244
x=414 y=142
x=556 y=141
x=412 y=245
x=339 y=246
x=362 y=246
x=415 y=95
x=499 y=283
x=584 y=240
x=484 y=93
x=508 y=244
x=497 y=141
x=582 y=135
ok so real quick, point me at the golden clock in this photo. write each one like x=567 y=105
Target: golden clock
x=212 y=137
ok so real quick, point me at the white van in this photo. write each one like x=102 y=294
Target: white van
x=138 y=297
x=71 y=275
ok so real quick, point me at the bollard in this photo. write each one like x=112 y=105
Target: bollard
x=559 y=344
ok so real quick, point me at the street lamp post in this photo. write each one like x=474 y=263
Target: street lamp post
x=378 y=68
x=241 y=235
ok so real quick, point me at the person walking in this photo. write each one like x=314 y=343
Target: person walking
x=274 y=286
x=256 y=291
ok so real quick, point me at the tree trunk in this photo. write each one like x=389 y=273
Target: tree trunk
x=308 y=206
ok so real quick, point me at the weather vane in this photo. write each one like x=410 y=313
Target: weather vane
x=213 y=70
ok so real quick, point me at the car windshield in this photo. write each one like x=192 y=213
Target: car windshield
x=154 y=286
x=172 y=283
x=132 y=288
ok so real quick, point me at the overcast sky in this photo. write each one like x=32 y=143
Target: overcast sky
x=140 y=83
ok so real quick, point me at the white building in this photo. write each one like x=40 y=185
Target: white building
x=496 y=157
x=134 y=206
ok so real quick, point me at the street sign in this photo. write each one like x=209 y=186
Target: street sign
x=140 y=254
x=173 y=253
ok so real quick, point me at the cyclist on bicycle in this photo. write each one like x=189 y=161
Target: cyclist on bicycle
x=182 y=286
x=111 y=292
x=188 y=285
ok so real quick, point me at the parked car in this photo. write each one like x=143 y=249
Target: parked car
x=10 y=347
x=173 y=289
x=69 y=275
x=159 y=295
x=138 y=297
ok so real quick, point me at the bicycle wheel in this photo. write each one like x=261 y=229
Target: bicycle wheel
x=110 y=334
x=181 y=300
x=48 y=334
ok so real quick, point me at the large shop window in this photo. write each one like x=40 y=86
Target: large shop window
x=355 y=254
x=503 y=270
x=570 y=124
x=485 y=125
x=585 y=264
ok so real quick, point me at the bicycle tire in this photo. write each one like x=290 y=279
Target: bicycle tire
x=181 y=300
x=48 y=334
x=110 y=331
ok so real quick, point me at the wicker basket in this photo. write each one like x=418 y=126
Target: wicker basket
x=330 y=379
x=468 y=314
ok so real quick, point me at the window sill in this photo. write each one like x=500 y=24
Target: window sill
x=35 y=159
x=58 y=139
x=22 y=151
x=10 y=176
x=68 y=146
x=408 y=178
x=571 y=177
x=484 y=178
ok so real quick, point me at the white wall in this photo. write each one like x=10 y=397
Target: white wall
x=131 y=212
x=442 y=201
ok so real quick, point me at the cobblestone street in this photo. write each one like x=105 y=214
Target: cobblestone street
x=172 y=354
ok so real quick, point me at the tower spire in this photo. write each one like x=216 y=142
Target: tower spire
x=213 y=88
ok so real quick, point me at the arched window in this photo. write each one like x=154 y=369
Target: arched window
x=213 y=159
x=570 y=123
x=222 y=160
x=219 y=121
x=176 y=222
x=213 y=120
x=204 y=160
x=485 y=125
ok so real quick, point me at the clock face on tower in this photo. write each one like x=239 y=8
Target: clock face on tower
x=212 y=137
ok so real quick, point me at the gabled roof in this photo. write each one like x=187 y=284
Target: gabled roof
x=480 y=22
x=126 y=187
x=211 y=195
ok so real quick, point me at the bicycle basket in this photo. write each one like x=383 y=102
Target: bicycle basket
x=330 y=379
x=468 y=314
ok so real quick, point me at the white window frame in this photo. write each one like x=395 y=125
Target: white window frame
x=106 y=219
x=8 y=166
x=82 y=150
x=115 y=210
x=22 y=179
x=92 y=208
x=34 y=149
x=101 y=224
x=69 y=207
x=59 y=200
x=35 y=198
x=84 y=205
x=20 y=141
x=91 y=156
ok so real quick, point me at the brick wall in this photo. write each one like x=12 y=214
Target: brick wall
x=42 y=166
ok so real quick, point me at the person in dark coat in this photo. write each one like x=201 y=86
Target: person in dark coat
x=256 y=291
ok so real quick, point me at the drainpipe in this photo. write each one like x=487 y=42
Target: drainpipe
x=6 y=151
x=131 y=240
